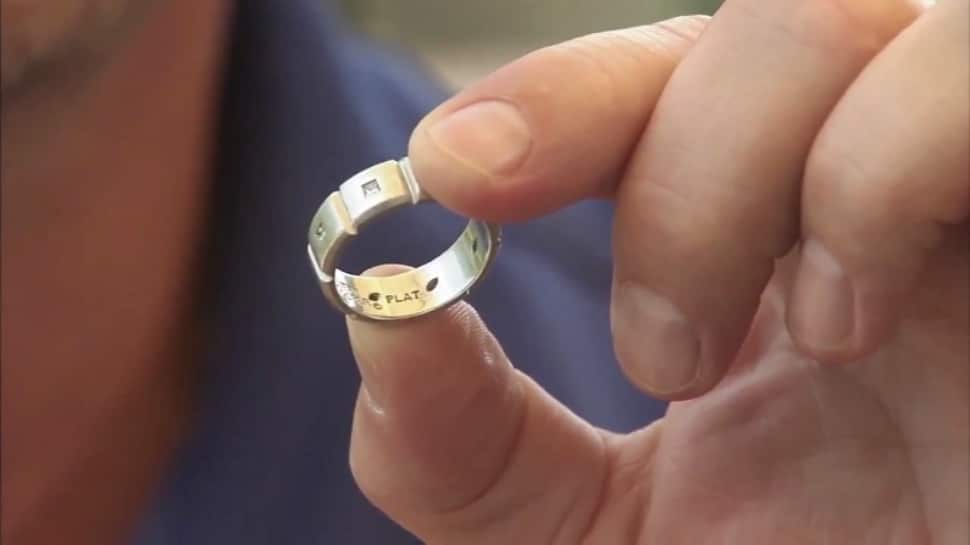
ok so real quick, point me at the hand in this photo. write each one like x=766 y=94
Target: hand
x=834 y=380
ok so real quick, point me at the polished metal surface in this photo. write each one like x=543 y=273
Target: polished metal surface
x=432 y=286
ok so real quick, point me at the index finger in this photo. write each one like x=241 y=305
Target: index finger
x=505 y=149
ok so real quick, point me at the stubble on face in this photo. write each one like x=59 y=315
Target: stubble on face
x=48 y=40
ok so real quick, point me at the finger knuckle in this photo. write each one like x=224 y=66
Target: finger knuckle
x=671 y=212
x=862 y=196
x=602 y=74
x=866 y=208
x=700 y=217
x=876 y=21
x=670 y=39
x=843 y=27
x=607 y=59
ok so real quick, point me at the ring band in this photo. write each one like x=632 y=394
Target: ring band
x=434 y=285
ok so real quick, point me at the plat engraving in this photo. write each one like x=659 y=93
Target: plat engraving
x=403 y=297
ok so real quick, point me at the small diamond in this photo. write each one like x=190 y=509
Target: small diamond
x=371 y=188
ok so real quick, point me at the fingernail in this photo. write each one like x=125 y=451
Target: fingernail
x=655 y=343
x=491 y=136
x=823 y=302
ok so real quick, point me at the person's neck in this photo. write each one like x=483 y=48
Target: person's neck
x=103 y=218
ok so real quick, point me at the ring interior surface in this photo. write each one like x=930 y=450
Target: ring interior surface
x=409 y=294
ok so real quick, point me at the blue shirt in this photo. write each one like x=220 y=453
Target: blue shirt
x=305 y=105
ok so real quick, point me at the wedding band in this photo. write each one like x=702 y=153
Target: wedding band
x=434 y=285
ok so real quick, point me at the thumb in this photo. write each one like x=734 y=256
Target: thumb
x=458 y=447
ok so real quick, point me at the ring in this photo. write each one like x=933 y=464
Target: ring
x=434 y=285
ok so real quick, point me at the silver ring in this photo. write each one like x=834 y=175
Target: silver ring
x=434 y=285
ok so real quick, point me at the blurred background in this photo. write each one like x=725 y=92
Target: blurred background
x=464 y=39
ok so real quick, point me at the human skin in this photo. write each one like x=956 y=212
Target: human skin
x=807 y=440
x=106 y=138
x=790 y=242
